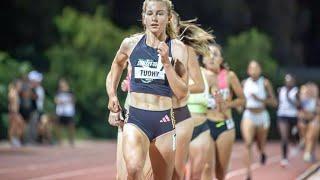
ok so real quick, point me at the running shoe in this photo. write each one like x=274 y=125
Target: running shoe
x=15 y=142
x=284 y=163
x=307 y=157
x=263 y=158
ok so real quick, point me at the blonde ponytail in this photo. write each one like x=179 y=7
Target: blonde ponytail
x=193 y=35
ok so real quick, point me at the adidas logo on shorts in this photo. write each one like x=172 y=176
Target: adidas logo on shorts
x=165 y=119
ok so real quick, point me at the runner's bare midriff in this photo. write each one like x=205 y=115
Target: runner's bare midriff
x=215 y=115
x=198 y=118
x=150 y=102
x=256 y=110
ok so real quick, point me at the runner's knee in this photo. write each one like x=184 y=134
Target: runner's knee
x=133 y=169
x=207 y=169
x=248 y=145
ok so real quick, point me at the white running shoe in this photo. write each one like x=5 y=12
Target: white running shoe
x=15 y=142
x=284 y=163
x=307 y=157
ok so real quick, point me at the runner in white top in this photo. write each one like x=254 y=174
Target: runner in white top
x=287 y=114
x=256 y=120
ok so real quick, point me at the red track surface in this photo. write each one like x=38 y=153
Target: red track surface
x=96 y=160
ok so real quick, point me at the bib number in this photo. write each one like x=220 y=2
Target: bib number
x=148 y=73
x=230 y=124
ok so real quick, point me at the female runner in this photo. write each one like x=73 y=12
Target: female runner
x=309 y=119
x=197 y=41
x=150 y=126
x=256 y=120
x=287 y=114
x=226 y=86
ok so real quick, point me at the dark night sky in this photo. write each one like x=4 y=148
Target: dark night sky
x=27 y=28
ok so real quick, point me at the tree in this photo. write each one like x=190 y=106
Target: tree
x=83 y=55
x=247 y=46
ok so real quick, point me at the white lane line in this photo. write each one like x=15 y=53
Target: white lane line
x=69 y=174
x=308 y=172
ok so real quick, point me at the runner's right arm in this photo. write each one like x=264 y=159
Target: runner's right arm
x=113 y=78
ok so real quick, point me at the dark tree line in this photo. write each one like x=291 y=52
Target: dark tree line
x=294 y=25
x=27 y=27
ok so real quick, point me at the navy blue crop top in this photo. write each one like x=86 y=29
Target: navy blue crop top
x=148 y=75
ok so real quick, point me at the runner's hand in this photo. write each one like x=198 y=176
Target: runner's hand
x=221 y=103
x=163 y=51
x=124 y=85
x=256 y=97
x=114 y=105
x=115 y=120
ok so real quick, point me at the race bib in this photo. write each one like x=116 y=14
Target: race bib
x=225 y=93
x=230 y=124
x=150 y=70
x=148 y=73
